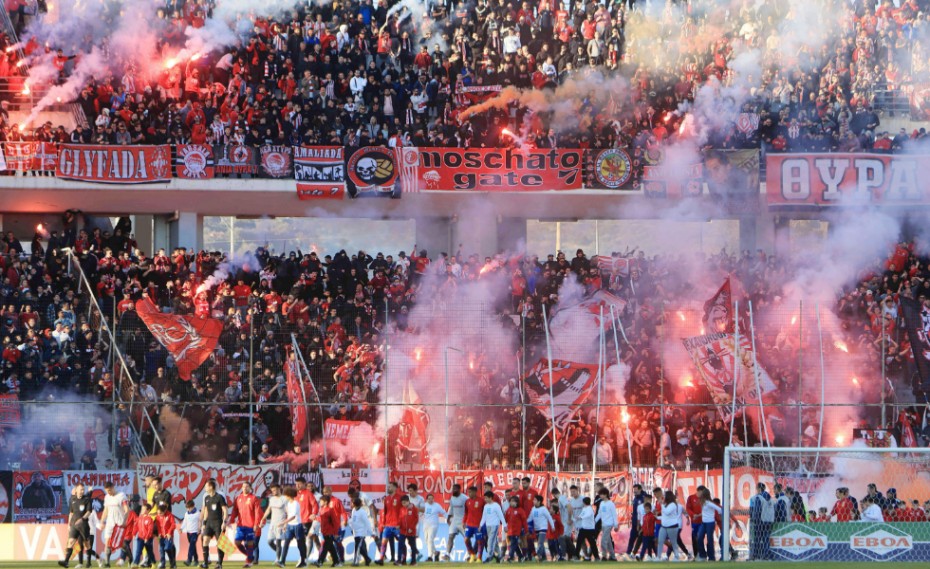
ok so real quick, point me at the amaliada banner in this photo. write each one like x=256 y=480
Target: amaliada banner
x=114 y=164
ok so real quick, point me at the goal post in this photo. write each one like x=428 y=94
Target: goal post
x=826 y=504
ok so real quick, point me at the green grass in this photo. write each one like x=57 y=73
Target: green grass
x=747 y=565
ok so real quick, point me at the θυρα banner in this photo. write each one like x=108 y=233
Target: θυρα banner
x=114 y=164
x=846 y=179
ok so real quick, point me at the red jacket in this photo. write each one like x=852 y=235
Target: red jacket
x=409 y=519
x=145 y=527
x=165 y=524
x=329 y=521
x=131 y=519
x=648 y=526
x=693 y=507
x=308 y=505
x=516 y=522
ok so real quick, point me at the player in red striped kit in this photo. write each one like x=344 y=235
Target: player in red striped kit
x=246 y=514
x=474 y=508
x=390 y=520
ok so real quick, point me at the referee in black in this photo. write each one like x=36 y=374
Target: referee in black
x=80 y=507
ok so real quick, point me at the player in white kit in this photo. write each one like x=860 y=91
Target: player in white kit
x=115 y=511
x=455 y=517
x=277 y=512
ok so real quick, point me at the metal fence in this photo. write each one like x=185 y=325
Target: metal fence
x=450 y=382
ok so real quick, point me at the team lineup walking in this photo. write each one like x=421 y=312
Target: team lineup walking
x=522 y=526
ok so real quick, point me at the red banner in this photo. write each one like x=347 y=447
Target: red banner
x=321 y=191
x=847 y=179
x=497 y=170
x=10 y=412
x=295 y=395
x=339 y=431
x=194 y=162
x=439 y=484
x=30 y=156
x=503 y=480
x=39 y=497
x=189 y=339
x=619 y=484
x=114 y=164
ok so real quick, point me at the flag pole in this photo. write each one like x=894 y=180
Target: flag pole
x=295 y=347
x=822 y=388
x=601 y=366
x=387 y=370
x=555 y=442
x=755 y=373
x=737 y=364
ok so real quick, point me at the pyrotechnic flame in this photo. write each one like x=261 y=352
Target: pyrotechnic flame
x=39 y=228
x=668 y=117
x=840 y=439
x=417 y=353
x=170 y=63
x=793 y=320
x=196 y=57
x=484 y=269
x=681 y=315
x=506 y=132
x=9 y=49
x=375 y=448
x=840 y=345
x=855 y=381
x=20 y=63
x=625 y=417
x=471 y=365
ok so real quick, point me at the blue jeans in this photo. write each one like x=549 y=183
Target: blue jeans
x=143 y=544
x=514 y=550
x=706 y=534
x=166 y=548
x=192 y=539
x=699 y=552
x=541 y=545
x=293 y=532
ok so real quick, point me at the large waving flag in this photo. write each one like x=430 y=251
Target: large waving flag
x=297 y=399
x=189 y=339
x=571 y=385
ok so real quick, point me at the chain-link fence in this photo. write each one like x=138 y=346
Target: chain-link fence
x=465 y=379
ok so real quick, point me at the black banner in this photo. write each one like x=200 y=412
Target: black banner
x=372 y=171
x=235 y=159
x=917 y=322
x=277 y=161
x=6 y=496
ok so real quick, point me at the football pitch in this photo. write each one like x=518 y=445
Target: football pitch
x=742 y=564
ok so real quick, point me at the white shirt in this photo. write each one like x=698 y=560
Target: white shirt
x=360 y=523
x=708 y=510
x=191 y=522
x=417 y=501
x=278 y=505
x=114 y=507
x=432 y=513
x=493 y=515
x=541 y=519
x=577 y=505
x=671 y=515
x=873 y=514
x=606 y=514
x=586 y=518
x=293 y=513
x=457 y=508
x=564 y=508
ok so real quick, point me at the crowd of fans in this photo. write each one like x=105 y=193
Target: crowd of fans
x=340 y=309
x=362 y=72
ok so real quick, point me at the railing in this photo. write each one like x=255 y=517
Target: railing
x=122 y=379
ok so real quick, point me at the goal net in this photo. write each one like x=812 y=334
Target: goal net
x=826 y=504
